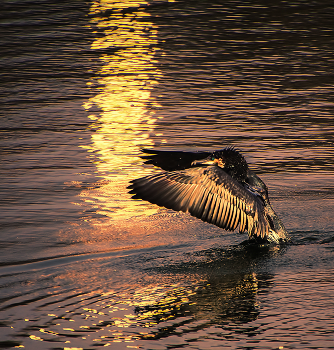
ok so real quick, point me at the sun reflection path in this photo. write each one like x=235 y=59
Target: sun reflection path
x=126 y=117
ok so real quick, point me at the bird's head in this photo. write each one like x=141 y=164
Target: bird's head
x=229 y=159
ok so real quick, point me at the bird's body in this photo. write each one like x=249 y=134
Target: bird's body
x=226 y=193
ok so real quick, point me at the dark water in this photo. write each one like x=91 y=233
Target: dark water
x=84 y=86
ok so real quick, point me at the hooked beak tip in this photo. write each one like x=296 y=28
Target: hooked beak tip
x=207 y=161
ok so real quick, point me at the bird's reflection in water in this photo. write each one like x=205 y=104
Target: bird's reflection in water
x=214 y=289
x=225 y=296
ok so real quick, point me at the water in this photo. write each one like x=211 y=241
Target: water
x=84 y=86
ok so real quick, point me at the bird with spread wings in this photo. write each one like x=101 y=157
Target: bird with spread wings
x=218 y=188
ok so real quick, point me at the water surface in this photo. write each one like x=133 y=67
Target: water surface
x=84 y=87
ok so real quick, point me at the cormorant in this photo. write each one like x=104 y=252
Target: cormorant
x=218 y=188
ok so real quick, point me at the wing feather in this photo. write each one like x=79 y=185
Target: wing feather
x=209 y=194
x=232 y=216
x=194 y=207
x=213 y=208
x=184 y=202
x=243 y=222
x=216 y=211
x=237 y=219
x=220 y=208
x=221 y=215
x=207 y=207
x=200 y=205
x=225 y=215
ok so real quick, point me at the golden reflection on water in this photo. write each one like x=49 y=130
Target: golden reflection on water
x=126 y=118
x=151 y=312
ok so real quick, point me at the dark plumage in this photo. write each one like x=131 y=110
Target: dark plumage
x=219 y=189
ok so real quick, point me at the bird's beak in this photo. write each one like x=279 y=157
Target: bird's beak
x=205 y=161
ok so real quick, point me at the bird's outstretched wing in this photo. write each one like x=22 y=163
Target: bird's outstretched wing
x=172 y=160
x=209 y=194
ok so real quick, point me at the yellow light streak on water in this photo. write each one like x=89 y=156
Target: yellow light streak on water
x=126 y=120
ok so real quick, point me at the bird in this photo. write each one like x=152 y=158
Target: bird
x=217 y=187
